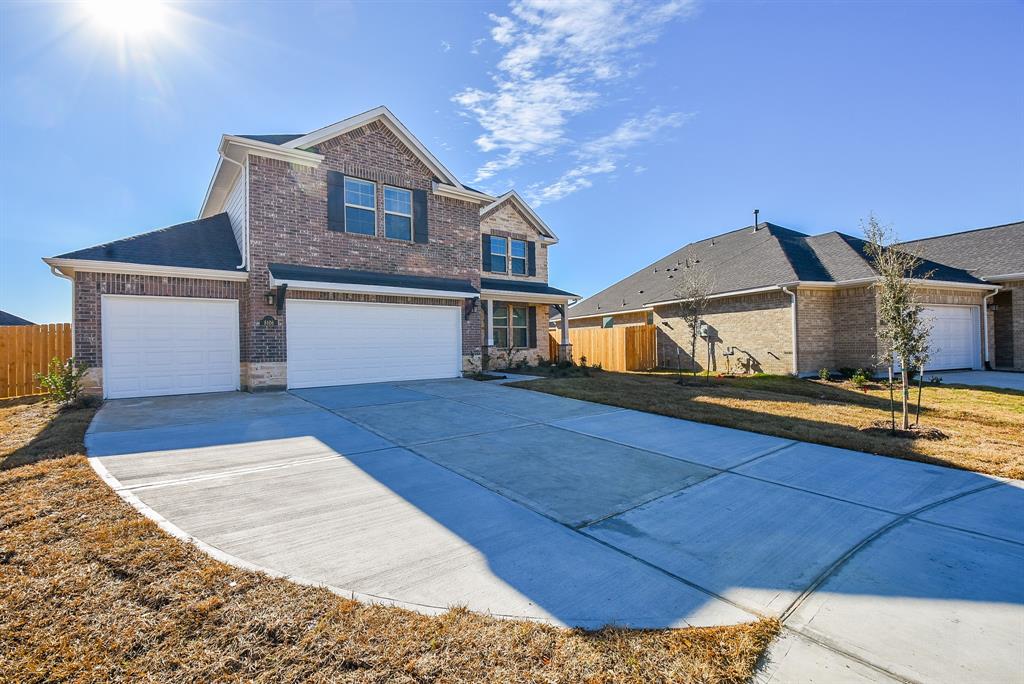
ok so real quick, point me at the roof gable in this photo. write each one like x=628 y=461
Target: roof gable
x=384 y=115
x=525 y=210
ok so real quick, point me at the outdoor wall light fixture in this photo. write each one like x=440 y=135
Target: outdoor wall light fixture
x=471 y=305
x=270 y=296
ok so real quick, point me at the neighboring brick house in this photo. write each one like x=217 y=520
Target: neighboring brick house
x=786 y=302
x=346 y=255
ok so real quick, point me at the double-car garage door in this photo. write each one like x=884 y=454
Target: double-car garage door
x=343 y=343
x=168 y=345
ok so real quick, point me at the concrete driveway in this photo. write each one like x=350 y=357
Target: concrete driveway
x=997 y=379
x=453 y=492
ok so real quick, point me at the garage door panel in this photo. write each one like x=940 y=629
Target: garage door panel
x=163 y=345
x=955 y=340
x=336 y=343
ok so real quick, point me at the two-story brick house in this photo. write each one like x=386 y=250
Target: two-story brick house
x=345 y=255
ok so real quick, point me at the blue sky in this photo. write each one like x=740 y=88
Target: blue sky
x=635 y=128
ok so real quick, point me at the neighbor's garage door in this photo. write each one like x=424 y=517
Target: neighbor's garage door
x=343 y=343
x=168 y=345
x=955 y=337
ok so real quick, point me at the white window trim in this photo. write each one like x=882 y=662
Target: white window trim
x=359 y=206
x=412 y=223
x=525 y=258
x=510 y=328
x=504 y=256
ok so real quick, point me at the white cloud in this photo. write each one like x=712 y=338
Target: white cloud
x=603 y=154
x=556 y=58
x=475 y=49
x=445 y=46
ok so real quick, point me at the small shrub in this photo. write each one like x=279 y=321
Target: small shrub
x=583 y=361
x=63 y=379
x=935 y=380
x=847 y=372
x=824 y=375
x=563 y=364
x=860 y=377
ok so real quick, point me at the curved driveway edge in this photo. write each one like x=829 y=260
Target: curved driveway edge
x=439 y=493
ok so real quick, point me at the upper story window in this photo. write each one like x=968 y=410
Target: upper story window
x=517 y=256
x=499 y=254
x=360 y=206
x=607 y=322
x=397 y=213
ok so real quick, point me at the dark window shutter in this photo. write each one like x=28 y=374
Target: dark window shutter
x=485 y=250
x=419 y=216
x=531 y=332
x=531 y=259
x=336 y=201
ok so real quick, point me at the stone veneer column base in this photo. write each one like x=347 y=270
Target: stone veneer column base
x=92 y=381
x=264 y=377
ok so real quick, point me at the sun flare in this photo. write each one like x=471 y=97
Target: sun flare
x=127 y=19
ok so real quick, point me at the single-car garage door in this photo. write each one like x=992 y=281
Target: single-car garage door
x=343 y=343
x=955 y=337
x=168 y=345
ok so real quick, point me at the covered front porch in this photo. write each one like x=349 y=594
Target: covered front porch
x=515 y=322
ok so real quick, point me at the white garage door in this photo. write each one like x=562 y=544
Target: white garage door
x=955 y=337
x=168 y=345
x=342 y=343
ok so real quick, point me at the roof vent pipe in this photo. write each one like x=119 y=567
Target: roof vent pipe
x=756 y=212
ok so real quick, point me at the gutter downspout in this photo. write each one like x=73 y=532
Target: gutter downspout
x=54 y=271
x=984 y=323
x=792 y=294
x=245 y=228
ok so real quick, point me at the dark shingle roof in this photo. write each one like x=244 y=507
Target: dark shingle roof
x=204 y=243
x=745 y=259
x=523 y=287
x=11 y=319
x=348 y=277
x=273 y=138
x=983 y=253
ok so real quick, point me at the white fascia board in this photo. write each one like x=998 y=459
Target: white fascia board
x=920 y=282
x=537 y=221
x=387 y=290
x=70 y=266
x=377 y=113
x=720 y=295
x=1004 y=276
x=613 y=313
x=446 y=190
x=509 y=296
x=231 y=143
x=238 y=149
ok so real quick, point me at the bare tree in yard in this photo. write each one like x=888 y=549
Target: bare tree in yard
x=903 y=330
x=693 y=291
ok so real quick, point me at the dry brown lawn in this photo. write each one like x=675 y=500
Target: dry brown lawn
x=981 y=429
x=91 y=591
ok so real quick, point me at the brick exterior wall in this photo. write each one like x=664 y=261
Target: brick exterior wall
x=499 y=357
x=86 y=302
x=1008 y=326
x=506 y=220
x=815 y=330
x=757 y=325
x=288 y=224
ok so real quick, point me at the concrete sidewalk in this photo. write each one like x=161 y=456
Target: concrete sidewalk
x=437 y=493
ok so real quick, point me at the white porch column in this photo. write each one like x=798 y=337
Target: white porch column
x=565 y=322
x=490 y=322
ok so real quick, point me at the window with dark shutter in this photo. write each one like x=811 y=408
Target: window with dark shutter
x=532 y=329
x=485 y=253
x=336 y=201
x=531 y=258
x=420 y=217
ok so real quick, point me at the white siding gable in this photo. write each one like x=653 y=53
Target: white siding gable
x=236 y=207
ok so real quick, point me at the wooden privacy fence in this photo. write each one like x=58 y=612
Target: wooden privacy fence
x=629 y=347
x=26 y=350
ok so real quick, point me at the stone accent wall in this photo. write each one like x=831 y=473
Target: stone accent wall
x=90 y=287
x=758 y=327
x=288 y=224
x=507 y=221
